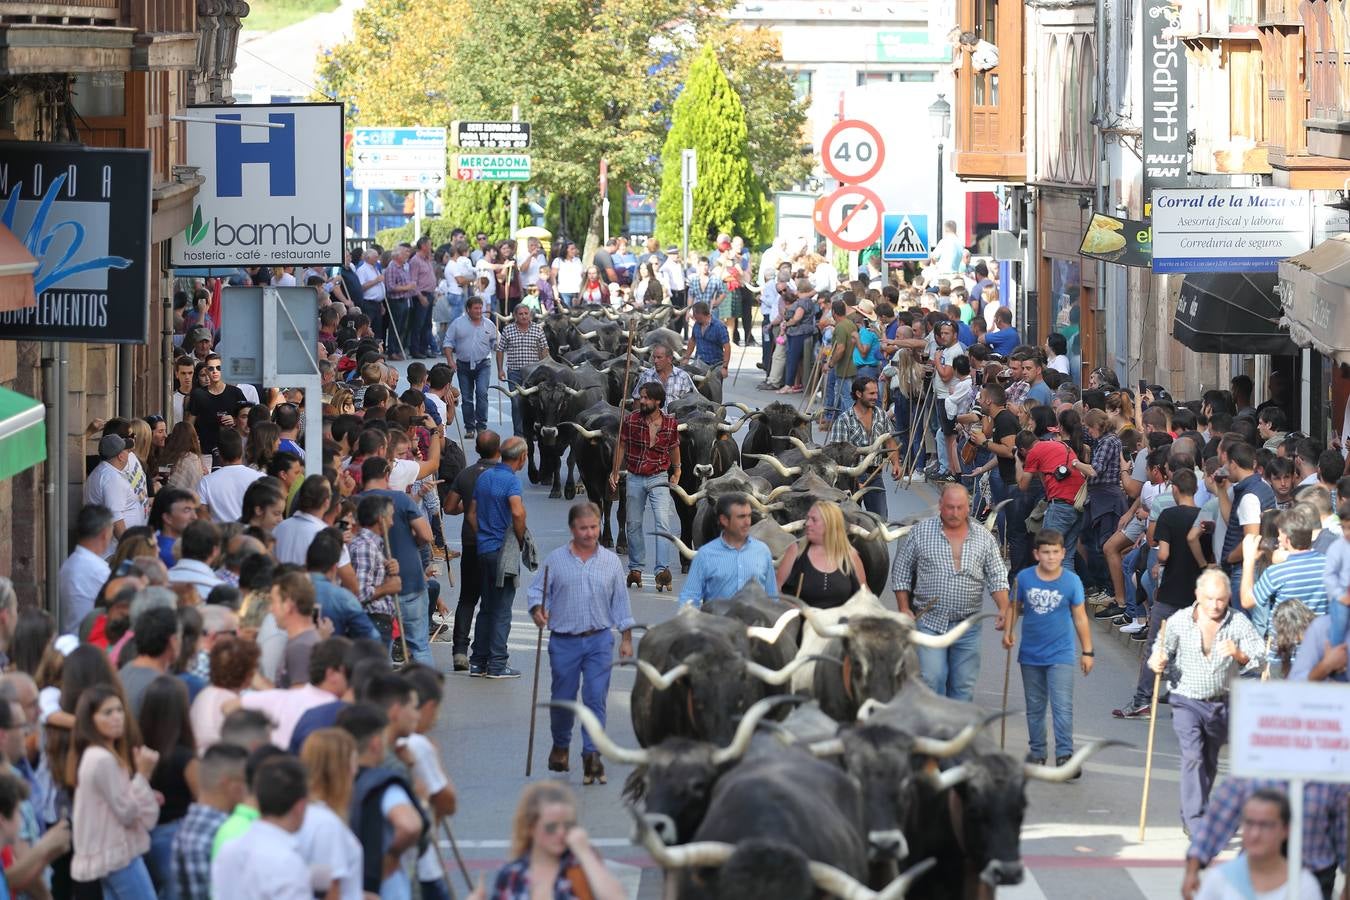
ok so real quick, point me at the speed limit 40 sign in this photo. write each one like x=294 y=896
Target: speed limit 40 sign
x=852 y=151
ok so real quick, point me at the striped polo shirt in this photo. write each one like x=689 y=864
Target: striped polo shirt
x=1298 y=577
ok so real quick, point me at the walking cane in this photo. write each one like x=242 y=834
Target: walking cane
x=389 y=314
x=445 y=873
x=454 y=848
x=627 y=365
x=398 y=609
x=534 y=694
x=1152 y=724
x=924 y=413
x=1007 y=675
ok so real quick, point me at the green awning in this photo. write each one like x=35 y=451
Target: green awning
x=23 y=433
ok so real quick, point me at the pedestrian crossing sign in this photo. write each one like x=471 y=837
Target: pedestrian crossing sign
x=904 y=237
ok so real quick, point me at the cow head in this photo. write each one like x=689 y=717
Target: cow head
x=700 y=432
x=877 y=656
x=674 y=779
x=986 y=797
x=771 y=426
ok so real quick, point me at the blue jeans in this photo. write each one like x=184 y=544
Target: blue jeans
x=1340 y=617
x=419 y=328
x=1052 y=684
x=131 y=882
x=473 y=388
x=644 y=491
x=494 y=614
x=456 y=302
x=939 y=439
x=833 y=403
x=159 y=857
x=579 y=663
x=1128 y=565
x=952 y=672
x=795 y=344
x=1062 y=517
x=416 y=622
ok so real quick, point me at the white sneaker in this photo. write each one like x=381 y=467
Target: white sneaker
x=1133 y=627
x=918 y=478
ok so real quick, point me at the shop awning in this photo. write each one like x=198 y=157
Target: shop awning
x=16 y=273
x=23 y=433
x=1315 y=290
x=1231 y=312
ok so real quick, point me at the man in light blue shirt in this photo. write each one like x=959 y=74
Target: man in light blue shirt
x=723 y=566
x=581 y=596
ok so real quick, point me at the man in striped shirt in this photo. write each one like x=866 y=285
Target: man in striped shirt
x=580 y=595
x=522 y=344
x=1299 y=576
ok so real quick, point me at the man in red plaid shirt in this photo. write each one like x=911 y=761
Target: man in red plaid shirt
x=649 y=441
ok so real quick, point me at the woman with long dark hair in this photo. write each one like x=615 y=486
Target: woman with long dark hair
x=115 y=807
x=166 y=728
x=1059 y=462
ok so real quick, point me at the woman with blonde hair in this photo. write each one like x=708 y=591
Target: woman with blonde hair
x=142 y=440
x=550 y=849
x=822 y=568
x=1120 y=407
x=324 y=839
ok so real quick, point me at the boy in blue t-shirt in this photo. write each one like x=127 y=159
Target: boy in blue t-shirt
x=1050 y=602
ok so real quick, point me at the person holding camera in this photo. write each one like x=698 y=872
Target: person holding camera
x=1063 y=471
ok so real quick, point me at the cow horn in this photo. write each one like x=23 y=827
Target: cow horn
x=771 y=633
x=781 y=489
x=794 y=526
x=807 y=452
x=760 y=506
x=745 y=410
x=991 y=520
x=688 y=498
x=859 y=531
x=587 y=433
x=682 y=427
x=813 y=618
x=868 y=707
x=785 y=471
x=945 y=640
x=529 y=391
x=571 y=391
x=661 y=681
x=1072 y=767
x=745 y=729
x=885 y=532
x=510 y=392
x=781 y=676
x=682 y=856
x=948 y=778
x=828 y=747
x=936 y=747
x=855 y=471
x=698 y=379
x=732 y=429
x=838 y=883
x=603 y=742
x=684 y=548
x=877 y=444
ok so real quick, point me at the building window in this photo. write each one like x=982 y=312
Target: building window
x=986 y=20
x=100 y=94
x=801 y=84
x=865 y=78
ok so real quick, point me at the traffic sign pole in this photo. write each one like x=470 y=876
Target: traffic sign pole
x=515 y=189
x=365 y=213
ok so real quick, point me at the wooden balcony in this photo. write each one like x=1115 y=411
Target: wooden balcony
x=97 y=36
x=988 y=106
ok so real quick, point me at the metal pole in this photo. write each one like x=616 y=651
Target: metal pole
x=937 y=226
x=54 y=474
x=515 y=188
x=365 y=213
x=1293 y=885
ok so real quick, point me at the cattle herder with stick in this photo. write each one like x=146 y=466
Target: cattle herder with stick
x=586 y=601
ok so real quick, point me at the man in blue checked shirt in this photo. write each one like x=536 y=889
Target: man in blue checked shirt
x=586 y=599
x=723 y=565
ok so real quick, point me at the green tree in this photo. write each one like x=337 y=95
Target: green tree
x=709 y=118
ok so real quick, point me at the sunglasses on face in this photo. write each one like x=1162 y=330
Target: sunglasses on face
x=213 y=368
x=555 y=827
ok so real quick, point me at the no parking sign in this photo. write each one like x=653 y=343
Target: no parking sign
x=851 y=217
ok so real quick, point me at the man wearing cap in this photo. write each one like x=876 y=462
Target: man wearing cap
x=110 y=485
x=198 y=342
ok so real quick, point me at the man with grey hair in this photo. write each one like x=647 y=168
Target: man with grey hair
x=86 y=570
x=497 y=515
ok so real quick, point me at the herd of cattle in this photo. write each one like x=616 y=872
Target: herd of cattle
x=784 y=754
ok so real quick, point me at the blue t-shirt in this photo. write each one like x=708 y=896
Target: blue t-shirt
x=166 y=549
x=1041 y=393
x=401 y=541
x=964 y=334
x=492 y=494
x=1003 y=341
x=709 y=341
x=1047 y=617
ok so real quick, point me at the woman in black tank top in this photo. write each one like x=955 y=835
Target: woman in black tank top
x=822 y=569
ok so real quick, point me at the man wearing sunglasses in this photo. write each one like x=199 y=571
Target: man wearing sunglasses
x=213 y=407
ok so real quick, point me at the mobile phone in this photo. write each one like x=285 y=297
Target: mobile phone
x=1143 y=386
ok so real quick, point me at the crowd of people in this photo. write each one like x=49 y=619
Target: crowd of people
x=222 y=668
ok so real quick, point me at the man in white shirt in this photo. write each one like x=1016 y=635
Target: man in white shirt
x=295 y=534
x=222 y=492
x=531 y=263
x=372 y=288
x=825 y=278
x=404 y=470
x=85 y=571
x=110 y=485
x=198 y=556
x=263 y=863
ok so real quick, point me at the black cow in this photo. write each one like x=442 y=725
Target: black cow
x=781 y=826
x=707 y=450
x=839 y=463
x=707 y=379
x=773 y=626
x=561 y=334
x=603 y=334
x=694 y=680
x=595 y=434
x=771 y=426
x=552 y=393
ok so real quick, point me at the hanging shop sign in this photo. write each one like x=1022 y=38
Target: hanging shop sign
x=84 y=214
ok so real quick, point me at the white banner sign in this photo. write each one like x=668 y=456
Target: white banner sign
x=273 y=192
x=1290 y=729
x=1229 y=229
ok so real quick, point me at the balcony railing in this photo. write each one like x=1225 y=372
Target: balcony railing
x=66 y=12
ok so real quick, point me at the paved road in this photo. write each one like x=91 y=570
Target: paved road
x=1079 y=840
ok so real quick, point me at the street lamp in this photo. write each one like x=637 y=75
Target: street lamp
x=940 y=122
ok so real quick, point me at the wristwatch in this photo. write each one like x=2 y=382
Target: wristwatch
x=1087 y=653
